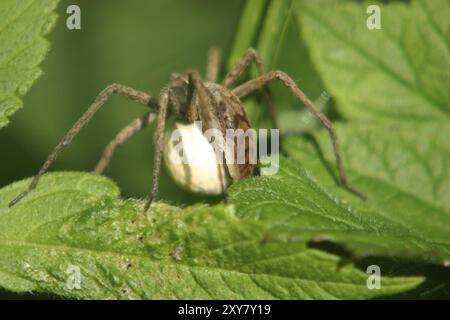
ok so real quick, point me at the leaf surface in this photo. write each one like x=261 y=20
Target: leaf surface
x=75 y=221
x=23 y=25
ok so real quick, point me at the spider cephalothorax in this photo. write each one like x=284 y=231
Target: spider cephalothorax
x=189 y=99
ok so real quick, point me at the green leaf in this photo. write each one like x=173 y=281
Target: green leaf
x=23 y=25
x=390 y=162
x=397 y=73
x=247 y=31
x=390 y=224
x=75 y=221
x=401 y=162
x=394 y=82
x=273 y=31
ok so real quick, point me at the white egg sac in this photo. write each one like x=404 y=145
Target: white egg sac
x=192 y=161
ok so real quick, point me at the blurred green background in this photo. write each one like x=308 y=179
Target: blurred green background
x=138 y=43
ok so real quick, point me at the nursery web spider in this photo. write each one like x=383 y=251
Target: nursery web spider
x=190 y=99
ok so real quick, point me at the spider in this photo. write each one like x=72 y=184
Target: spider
x=188 y=98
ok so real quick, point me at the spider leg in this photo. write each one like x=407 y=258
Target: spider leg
x=135 y=95
x=213 y=66
x=242 y=65
x=263 y=80
x=159 y=145
x=124 y=135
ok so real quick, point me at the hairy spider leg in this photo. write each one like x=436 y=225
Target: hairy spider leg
x=257 y=83
x=103 y=96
